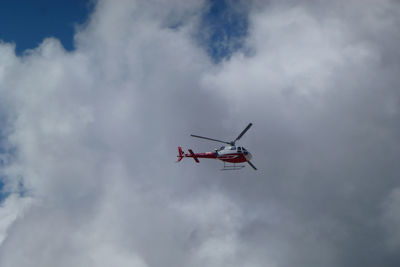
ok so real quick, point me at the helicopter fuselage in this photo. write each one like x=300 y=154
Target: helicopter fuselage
x=233 y=154
x=230 y=154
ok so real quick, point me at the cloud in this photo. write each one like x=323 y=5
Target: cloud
x=10 y=209
x=391 y=219
x=92 y=136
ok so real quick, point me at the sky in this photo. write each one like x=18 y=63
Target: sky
x=27 y=23
x=92 y=110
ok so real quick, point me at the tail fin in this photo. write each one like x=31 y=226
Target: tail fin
x=181 y=154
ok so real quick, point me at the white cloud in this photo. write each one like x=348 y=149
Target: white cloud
x=10 y=210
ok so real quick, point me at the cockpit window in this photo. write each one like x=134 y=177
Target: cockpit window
x=239 y=149
x=233 y=148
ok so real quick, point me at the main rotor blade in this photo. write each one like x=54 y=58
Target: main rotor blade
x=243 y=132
x=216 y=140
x=251 y=164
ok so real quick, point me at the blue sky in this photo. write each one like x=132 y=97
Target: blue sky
x=226 y=28
x=26 y=23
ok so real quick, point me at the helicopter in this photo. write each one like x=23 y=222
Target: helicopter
x=228 y=154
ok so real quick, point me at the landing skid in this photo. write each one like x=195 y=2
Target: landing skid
x=231 y=167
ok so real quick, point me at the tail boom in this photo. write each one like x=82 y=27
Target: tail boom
x=195 y=156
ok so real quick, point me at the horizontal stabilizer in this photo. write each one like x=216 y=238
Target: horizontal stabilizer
x=193 y=156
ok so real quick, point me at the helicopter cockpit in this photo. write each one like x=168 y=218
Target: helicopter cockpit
x=239 y=149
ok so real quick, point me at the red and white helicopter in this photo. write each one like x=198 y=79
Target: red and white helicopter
x=230 y=154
